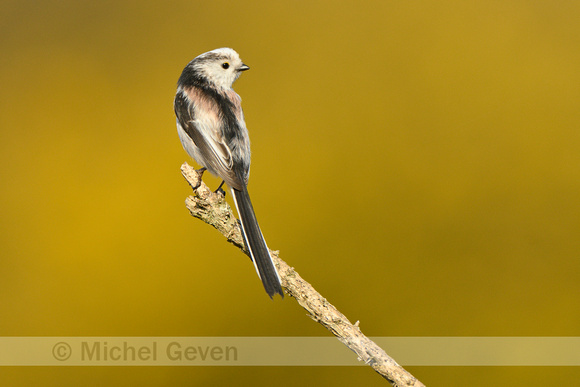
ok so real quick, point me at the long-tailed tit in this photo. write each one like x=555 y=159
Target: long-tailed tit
x=211 y=127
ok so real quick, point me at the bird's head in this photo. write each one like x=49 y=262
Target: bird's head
x=220 y=67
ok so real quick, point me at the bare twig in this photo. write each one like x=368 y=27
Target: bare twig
x=214 y=210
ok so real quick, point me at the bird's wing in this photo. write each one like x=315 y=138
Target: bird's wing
x=201 y=121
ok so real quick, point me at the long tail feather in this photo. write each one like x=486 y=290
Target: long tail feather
x=256 y=243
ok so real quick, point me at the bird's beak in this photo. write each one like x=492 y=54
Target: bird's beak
x=243 y=67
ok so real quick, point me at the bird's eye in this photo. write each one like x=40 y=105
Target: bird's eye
x=225 y=65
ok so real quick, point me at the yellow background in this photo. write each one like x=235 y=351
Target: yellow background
x=417 y=161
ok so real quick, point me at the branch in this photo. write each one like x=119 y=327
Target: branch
x=212 y=208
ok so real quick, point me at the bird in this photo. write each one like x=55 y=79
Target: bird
x=211 y=127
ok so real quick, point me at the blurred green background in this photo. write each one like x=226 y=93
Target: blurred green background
x=418 y=162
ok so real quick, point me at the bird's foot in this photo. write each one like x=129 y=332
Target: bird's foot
x=220 y=190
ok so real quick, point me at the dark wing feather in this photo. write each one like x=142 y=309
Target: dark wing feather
x=205 y=134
